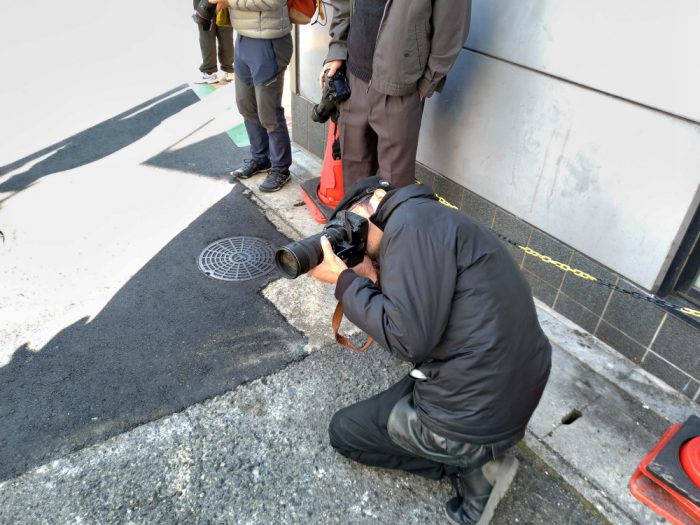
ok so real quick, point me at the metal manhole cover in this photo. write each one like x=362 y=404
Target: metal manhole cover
x=237 y=259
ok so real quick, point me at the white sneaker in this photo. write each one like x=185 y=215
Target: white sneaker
x=226 y=76
x=207 y=78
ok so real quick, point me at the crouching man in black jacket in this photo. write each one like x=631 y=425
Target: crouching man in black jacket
x=452 y=301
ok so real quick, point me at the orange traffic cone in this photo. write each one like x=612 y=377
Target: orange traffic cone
x=322 y=194
x=668 y=479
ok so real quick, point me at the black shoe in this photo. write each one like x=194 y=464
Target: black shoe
x=275 y=180
x=250 y=168
x=479 y=491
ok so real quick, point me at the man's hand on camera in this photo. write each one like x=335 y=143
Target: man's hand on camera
x=220 y=4
x=331 y=266
x=367 y=269
x=331 y=66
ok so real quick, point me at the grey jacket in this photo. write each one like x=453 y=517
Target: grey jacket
x=453 y=301
x=260 y=18
x=417 y=44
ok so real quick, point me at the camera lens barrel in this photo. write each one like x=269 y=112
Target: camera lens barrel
x=299 y=257
x=320 y=113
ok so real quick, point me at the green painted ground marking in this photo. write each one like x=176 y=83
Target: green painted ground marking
x=202 y=90
x=239 y=136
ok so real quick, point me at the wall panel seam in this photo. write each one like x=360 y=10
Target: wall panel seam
x=583 y=86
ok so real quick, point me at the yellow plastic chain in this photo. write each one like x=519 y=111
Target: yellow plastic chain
x=565 y=267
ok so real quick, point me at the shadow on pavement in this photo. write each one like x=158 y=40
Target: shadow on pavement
x=169 y=338
x=98 y=141
x=213 y=157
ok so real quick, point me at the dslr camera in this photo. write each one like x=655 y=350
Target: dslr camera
x=335 y=90
x=347 y=233
x=204 y=13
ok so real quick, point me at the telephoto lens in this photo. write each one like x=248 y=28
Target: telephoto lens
x=297 y=258
x=347 y=234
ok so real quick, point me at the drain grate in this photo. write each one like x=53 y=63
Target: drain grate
x=237 y=259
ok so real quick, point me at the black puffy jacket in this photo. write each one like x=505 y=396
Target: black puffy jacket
x=454 y=302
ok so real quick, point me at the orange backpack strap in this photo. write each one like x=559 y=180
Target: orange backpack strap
x=341 y=339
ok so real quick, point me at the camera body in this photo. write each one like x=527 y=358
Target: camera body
x=204 y=14
x=347 y=233
x=335 y=90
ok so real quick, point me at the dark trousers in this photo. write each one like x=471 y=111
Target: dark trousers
x=260 y=68
x=379 y=131
x=383 y=431
x=208 y=47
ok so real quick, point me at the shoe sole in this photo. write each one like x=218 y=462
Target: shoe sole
x=278 y=188
x=449 y=518
x=233 y=174
x=501 y=478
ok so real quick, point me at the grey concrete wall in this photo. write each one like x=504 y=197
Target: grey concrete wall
x=573 y=128
x=613 y=179
x=664 y=343
x=580 y=118
x=640 y=50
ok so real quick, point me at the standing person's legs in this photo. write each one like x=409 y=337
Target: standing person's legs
x=358 y=142
x=248 y=108
x=257 y=134
x=271 y=116
x=224 y=36
x=396 y=120
x=261 y=64
x=207 y=45
x=274 y=55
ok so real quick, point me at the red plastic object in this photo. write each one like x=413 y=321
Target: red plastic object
x=330 y=190
x=690 y=459
x=658 y=496
x=314 y=206
x=323 y=195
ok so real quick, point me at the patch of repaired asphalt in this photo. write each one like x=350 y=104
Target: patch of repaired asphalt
x=170 y=337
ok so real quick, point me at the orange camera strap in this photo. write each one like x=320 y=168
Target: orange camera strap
x=341 y=339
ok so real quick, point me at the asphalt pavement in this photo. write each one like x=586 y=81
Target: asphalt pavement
x=186 y=399
x=260 y=454
x=169 y=338
x=137 y=389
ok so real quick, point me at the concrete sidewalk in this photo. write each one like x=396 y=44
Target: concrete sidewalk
x=259 y=453
x=600 y=414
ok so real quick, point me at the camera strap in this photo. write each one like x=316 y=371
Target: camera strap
x=341 y=339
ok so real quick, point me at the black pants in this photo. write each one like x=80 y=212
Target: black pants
x=363 y=432
x=208 y=46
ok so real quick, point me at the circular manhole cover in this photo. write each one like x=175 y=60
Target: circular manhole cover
x=237 y=259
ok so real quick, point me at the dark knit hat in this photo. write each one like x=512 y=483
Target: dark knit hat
x=361 y=189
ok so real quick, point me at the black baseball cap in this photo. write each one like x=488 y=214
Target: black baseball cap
x=361 y=189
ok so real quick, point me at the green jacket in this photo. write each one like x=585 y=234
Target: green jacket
x=417 y=44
